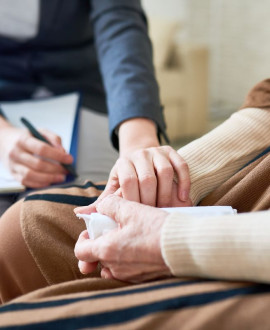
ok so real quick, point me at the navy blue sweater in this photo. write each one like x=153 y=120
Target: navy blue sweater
x=98 y=47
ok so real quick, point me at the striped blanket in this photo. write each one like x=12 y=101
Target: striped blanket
x=168 y=304
x=75 y=301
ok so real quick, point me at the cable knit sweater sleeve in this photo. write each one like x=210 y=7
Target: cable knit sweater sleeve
x=216 y=156
x=227 y=247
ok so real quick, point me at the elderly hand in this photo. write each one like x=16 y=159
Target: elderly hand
x=130 y=253
x=34 y=163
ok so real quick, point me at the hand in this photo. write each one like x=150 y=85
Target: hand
x=130 y=253
x=34 y=163
x=153 y=176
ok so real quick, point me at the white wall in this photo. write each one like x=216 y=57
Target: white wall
x=175 y=9
x=238 y=36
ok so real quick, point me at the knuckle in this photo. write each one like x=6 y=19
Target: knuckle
x=38 y=163
x=167 y=149
x=183 y=166
x=12 y=154
x=148 y=179
x=23 y=139
x=128 y=180
x=142 y=153
x=120 y=161
x=40 y=149
x=167 y=172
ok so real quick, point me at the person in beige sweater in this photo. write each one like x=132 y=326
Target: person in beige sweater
x=150 y=242
x=234 y=247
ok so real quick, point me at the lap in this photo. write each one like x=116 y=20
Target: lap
x=51 y=229
x=167 y=304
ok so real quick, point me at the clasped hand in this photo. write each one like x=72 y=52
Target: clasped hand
x=130 y=253
x=154 y=176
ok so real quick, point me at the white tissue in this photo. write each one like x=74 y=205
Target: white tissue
x=97 y=224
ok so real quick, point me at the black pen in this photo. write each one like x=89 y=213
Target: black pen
x=40 y=137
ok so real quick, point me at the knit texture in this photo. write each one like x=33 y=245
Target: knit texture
x=223 y=247
x=216 y=156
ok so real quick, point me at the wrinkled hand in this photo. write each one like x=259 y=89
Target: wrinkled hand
x=130 y=253
x=34 y=163
x=149 y=176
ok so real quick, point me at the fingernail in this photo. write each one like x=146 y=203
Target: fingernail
x=184 y=195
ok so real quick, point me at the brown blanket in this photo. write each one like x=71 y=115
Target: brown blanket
x=50 y=230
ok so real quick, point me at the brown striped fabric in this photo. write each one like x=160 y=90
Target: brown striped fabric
x=246 y=191
x=186 y=304
x=51 y=229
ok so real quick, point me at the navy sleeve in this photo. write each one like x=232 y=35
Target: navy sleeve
x=125 y=59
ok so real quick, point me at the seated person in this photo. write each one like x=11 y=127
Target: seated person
x=38 y=235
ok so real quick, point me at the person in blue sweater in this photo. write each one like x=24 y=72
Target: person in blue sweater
x=102 y=49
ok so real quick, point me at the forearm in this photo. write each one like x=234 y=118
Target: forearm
x=137 y=133
x=224 y=247
x=216 y=156
x=125 y=58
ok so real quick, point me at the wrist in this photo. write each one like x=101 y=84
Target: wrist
x=136 y=134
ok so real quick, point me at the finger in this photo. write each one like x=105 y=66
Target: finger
x=182 y=171
x=54 y=139
x=112 y=184
x=106 y=273
x=37 y=163
x=86 y=267
x=128 y=180
x=91 y=208
x=34 y=179
x=164 y=173
x=43 y=149
x=86 y=249
x=147 y=178
x=88 y=209
x=83 y=236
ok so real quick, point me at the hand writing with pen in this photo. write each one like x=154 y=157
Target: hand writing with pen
x=34 y=163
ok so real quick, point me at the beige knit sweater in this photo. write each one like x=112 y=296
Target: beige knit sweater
x=226 y=247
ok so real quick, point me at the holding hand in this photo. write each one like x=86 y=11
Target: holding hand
x=130 y=253
x=146 y=172
x=153 y=176
x=147 y=176
x=34 y=163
